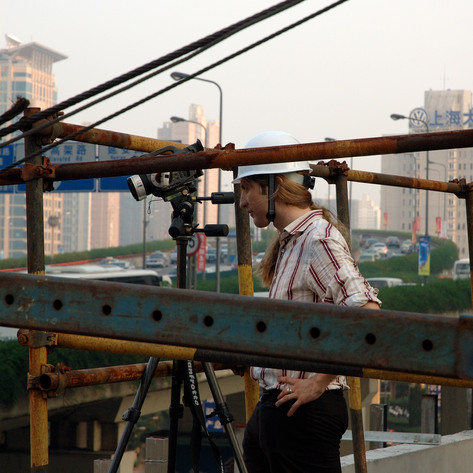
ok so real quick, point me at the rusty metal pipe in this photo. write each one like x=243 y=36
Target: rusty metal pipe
x=227 y=159
x=106 y=375
x=39 y=454
x=324 y=150
x=469 y=223
x=245 y=285
x=403 y=181
x=109 y=138
x=83 y=342
x=107 y=345
x=354 y=396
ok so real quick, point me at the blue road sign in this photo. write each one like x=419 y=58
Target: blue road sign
x=73 y=152
x=7 y=157
x=70 y=152
x=114 y=184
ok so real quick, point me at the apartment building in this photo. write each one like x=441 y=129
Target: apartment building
x=26 y=70
x=406 y=209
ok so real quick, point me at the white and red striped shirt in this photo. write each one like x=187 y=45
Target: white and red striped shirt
x=314 y=265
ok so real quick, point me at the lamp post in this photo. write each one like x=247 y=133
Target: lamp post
x=181 y=76
x=417 y=116
x=179 y=119
x=192 y=264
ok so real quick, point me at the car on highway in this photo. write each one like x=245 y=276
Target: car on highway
x=109 y=261
x=211 y=255
x=368 y=256
x=393 y=242
x=381 y=248
x=370 y=242
x=259 y=257
x=157 y=259
x=407 y=247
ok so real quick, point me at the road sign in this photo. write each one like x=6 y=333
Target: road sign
x=424 y=256
x=193 y=245
x=66 y=153
x=73 y=152
x=114 y=184
x=202 y=253
x=7 y=155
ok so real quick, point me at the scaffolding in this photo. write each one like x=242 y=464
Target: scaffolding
x=429 y=349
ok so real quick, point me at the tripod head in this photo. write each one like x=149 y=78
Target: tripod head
x=183 y=213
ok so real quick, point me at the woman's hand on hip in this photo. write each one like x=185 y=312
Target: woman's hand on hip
x=302 y=391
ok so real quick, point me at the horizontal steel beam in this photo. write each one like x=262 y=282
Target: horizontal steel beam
x=229 y=328
x=230 y=158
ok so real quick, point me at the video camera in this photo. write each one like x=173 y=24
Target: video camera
x=164 y=184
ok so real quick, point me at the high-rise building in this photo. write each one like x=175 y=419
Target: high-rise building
x=197 y=126
x=405 y=209
x=26 y=71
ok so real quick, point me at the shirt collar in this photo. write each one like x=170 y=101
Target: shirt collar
x=299 y=225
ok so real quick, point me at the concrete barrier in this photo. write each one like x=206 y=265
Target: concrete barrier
x=454 y=454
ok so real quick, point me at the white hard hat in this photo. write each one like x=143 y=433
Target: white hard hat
x=271 y=138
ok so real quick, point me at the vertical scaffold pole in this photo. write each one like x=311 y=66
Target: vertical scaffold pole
x=37 y=356
x=356 y=414
x=469 y=226
x=245 y=282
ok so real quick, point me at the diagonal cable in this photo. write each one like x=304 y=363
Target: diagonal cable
x=202 y=43
x=191 y=76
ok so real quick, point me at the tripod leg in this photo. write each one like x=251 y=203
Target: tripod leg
x=176 y=411
x=133 y=413
x=224 y=414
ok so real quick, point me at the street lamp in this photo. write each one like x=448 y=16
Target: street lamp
x=181 y=76
x=414 y=117
x=191 y=276
x=179 y=119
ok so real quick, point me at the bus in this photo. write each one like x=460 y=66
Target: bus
x=110 y=273
x=96 y=272
x=461 y=269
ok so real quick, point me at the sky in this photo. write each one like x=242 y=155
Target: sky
x=339 y=75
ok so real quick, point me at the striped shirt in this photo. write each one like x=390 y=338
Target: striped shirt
x=314 y=265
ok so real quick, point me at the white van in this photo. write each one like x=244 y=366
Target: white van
x=461 y=269
x=384 y=282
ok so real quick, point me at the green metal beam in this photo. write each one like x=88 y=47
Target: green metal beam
x=242 y=329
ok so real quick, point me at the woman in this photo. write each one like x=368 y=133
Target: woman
x=301 y=417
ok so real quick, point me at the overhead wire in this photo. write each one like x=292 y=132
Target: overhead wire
x=189 y=77
x=202 y=43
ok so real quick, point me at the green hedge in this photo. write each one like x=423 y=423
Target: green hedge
x=443 y=255
x=96 y=254
x=437 y=297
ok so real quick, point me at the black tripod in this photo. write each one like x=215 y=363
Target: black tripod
x=182 y=228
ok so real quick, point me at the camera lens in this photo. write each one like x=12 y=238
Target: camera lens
x=137 y=187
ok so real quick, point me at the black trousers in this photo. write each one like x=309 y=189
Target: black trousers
x=306 y=442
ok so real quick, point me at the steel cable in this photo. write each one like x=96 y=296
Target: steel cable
x=190 y=76
x=199 y=44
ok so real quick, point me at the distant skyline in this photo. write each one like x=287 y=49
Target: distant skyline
x=340 y=75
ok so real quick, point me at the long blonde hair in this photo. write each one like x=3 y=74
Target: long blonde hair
x=291 y=193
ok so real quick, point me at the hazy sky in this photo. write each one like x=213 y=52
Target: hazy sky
x=339 y=75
